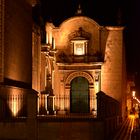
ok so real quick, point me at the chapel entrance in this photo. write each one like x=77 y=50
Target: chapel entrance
x=79 y=95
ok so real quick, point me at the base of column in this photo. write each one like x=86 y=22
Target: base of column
x=52 y=112
x=94 y=113
x=61 y=112
x=47 y=112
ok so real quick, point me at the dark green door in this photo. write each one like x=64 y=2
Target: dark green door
x=79 y=100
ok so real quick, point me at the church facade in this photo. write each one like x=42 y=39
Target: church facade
x=80 y=58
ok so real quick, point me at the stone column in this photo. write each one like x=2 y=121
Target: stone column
x=91 y=95
x=113 y=68
x=62 y=99
x=67 y=99
x=51 y=104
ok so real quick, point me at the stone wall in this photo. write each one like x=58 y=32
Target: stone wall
x=112 y=69
x=113 y=81
x=14 y=126
x=18 y=43
x=62 y=34
x=36 y=56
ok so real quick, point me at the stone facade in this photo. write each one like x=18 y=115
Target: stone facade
x=113 y=64
x=18 y=28
x=102 y=63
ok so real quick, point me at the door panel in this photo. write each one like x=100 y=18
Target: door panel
x=79 y=95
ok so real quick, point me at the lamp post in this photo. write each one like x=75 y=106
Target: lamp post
x=133 y=96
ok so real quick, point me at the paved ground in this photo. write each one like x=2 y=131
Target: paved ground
x=130 y=130
x=135 y=135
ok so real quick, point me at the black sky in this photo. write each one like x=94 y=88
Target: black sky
x=105 y=12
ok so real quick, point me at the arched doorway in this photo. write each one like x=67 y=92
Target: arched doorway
x=79 y=95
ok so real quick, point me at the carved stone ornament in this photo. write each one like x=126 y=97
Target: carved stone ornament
x=80 y=33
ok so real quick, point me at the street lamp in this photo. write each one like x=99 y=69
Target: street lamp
x=133 y=93
x=133 y=97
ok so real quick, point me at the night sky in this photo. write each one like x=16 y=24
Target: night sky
x=104 y=12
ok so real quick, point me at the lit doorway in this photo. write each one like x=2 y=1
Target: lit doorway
x=79 y=95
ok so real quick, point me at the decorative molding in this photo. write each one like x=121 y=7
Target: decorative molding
x=77 y=74
x=77 y=67
x=79 y=33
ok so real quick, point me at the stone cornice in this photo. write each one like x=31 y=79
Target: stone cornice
x=115 y=28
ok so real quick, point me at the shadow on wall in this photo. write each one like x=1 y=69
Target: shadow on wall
x=15 y=83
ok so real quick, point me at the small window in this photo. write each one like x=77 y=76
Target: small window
x=79 y=47
x=79 y=41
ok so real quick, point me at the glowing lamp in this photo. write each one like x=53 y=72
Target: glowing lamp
x=133 y=93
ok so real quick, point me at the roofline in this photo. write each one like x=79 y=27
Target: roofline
x=77 y=17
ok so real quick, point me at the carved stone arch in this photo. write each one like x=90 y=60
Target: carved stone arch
x=77 y=74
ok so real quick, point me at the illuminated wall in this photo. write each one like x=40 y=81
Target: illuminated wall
x=112 y=68
x=70 y=25
x=113 y=74
x=36 y=58
x=15 y=53
x=15 y=101
x=18 y=42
